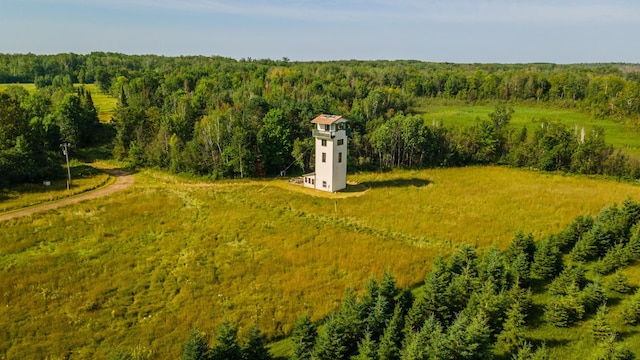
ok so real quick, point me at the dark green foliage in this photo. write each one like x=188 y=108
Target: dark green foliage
x=547 y=260
x=631 y=310
x=573 y=275
x=429 y=343
x=351 y=325
x=491 y=267
x=633 y=246
x=470 y=338
x=619 y=283
x=526 y=352
x=391 y=340
x=254 y=347
x=614 y=259
x=464 y=260
x=557 y=313
x=274 y=141
x=610 y=349
x=226 y=347
x=599 y=326
x=592 y=296
x=521 y=244
x=567 y=238
x=196 y=347
x=435 y=297
x=389 y=292
x=490 y=302
x=513 y=329
x=304 y=338
x=333 y=343
x=611 y=228
x=367 y=349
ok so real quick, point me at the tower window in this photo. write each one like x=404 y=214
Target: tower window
x=324 y=184
x=327 y=127
x=324 y=142
x=339 y=157
x=340 y=142
x=324 y=157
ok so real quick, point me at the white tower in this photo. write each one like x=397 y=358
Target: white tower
x=331 y=135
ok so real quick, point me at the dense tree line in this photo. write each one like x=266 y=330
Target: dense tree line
x=233 y=118
x=474 y=305
x=32 y=127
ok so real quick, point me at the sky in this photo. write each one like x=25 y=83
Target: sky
x=458 y=31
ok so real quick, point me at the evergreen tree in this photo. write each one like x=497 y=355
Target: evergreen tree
x=592 y=296
x=333 y=343
x=547 y=260
x=303 y=338
x=367 y=349
x=227 y=347
x=570 y=275
x=599 y=328
x=619 y=283
x=351 y=323
x=521 y=244
x=254 y=347
x=514 y=328
x=391 y=340
x=556 y=313
x=377 y=319
x=196 y=347
x=612 y=350
x=435 y=292
x=567 y=239
x=491 y=267
x=470 y=338
x=526 y=352
x=631 y=310
x=464 y=259
x=389 y=292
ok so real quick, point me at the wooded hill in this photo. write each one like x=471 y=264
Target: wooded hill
x=235 y=118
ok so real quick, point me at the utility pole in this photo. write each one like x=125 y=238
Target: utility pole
x=65 y=151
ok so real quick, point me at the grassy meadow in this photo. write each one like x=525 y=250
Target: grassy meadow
x=141 y=268
x=83 y=178
x=104 y=103
x=617 y=133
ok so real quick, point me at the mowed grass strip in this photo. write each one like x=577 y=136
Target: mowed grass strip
x=143 y=267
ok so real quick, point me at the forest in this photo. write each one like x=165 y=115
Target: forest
x=221 y=118
x=227 y=118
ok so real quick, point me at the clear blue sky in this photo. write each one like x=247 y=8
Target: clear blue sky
x=504 y=31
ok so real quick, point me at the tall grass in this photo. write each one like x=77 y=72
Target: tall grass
x=145 y=266
x=83 y=178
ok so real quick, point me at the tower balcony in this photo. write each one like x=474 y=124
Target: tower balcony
x=323 y=134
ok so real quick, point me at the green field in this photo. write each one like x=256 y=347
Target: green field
x=104 y=103
x=617 y=133
x=83 y=178
x=143 y=267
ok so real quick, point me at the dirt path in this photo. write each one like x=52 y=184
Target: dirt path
x=123 y=181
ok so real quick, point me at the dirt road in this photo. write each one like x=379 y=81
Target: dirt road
x=123 y=181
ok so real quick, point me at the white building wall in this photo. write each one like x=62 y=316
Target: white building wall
x=324 y=170
x=332 y=172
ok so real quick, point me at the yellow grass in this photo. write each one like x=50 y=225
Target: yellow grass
x=33 y=194
x=145 y=266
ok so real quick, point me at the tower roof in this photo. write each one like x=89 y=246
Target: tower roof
x=327 y=119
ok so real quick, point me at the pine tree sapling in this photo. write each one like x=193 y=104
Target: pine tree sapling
x=303 y=338
x=196 y=347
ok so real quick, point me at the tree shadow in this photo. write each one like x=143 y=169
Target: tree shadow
x=397 y=183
